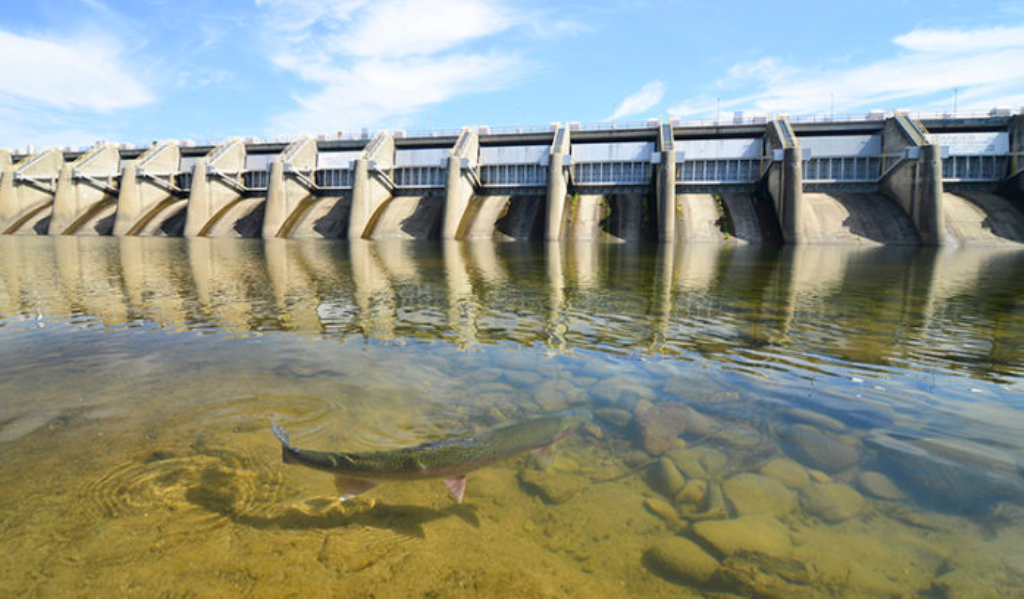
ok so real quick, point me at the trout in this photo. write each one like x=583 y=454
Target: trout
x=451 y=459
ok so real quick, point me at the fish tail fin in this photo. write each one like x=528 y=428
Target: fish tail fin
x=282 y=436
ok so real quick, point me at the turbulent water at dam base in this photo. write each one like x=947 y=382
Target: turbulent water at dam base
x=805 y=421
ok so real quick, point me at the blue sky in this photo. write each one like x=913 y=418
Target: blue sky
x=75 y=71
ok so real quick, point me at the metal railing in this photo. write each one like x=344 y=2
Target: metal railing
x=719 y=170
x=513 y=175
x=256 y=180
x=849 y=169
x=334 y=178
x=420 y=176
x=612 y=173
x=991 y=167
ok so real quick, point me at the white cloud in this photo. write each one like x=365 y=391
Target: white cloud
x=377 y=64
x=83 y=73
x=923 y=73
x=644 y=99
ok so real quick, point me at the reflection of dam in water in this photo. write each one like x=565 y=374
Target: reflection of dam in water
x=868 y=181
x=888 y=306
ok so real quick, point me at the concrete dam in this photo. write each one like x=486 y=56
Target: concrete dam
x=879 y=179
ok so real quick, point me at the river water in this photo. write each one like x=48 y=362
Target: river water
x=813 y=421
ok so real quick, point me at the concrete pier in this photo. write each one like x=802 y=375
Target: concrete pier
x=784 y=180
x=666 y=185
x=558 y=185
x=85 y=201
x=26 y=192
x=915 y=182
x=371 y=186
x=216 y=184
x=461 y=183
x=291 y=188
x=149 y=191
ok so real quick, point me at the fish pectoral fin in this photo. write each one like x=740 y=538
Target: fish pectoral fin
x=348 y=487
x=456 y=486
x=545 y=455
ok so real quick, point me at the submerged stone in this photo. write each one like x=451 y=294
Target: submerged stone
x=787 y=472
x=666 y=512
x=613 y=416
x=751 y=494
x=693 y=492
x=751 y=534
x=682 y=560
x=815 y=418
x=831 y=502
x=660 y=426
x=551 y=488
x=818 y=449
x=666 y=479
x=879 y=486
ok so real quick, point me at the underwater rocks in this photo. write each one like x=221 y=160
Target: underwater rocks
x=811 y=446
x=748 y=534
x=660 y=425
x=787 y=472
x=666 y=479
x=682 y=560
x=551 y=488
x=965 y=482
x=666 y=512
x=879 y=486
x=753 y=494
x=831 y=502
x=614 y=416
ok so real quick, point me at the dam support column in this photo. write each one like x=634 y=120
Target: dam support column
x=371 y=184
x=1013 y=187
x=461 y=182
x=27 y=189
x=558 y=184
x=666 y=189
x=785 y=180
x=915 y=182
x=146 y=182
x=87 y=190
x=216 y=183
x=290 y=184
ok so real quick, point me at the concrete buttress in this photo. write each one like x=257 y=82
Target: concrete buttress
x=216 y=183
x=87 y=190
x=371 y=184
x=147 y=183
x=460 y=185
x=290 y=187
x=558 y=184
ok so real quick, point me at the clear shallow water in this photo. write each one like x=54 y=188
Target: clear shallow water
x=853 y=418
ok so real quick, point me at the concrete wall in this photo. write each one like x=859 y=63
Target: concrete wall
x=460 y=187
x=27 y=190
x=369 y=190
x=558 y=185
x=141 y=197
x=289 y=192
x=86 y=196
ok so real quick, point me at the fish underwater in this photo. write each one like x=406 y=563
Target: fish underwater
x=451 y=459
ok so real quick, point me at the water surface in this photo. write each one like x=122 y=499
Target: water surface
x=855 y=413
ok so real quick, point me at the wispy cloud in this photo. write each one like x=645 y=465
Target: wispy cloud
x=644 y=99
x=925 y=68
x=84 y=73
x=370 y=64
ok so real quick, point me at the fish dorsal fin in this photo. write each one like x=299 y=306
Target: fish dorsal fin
x=456 y=486
x=348 y=487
